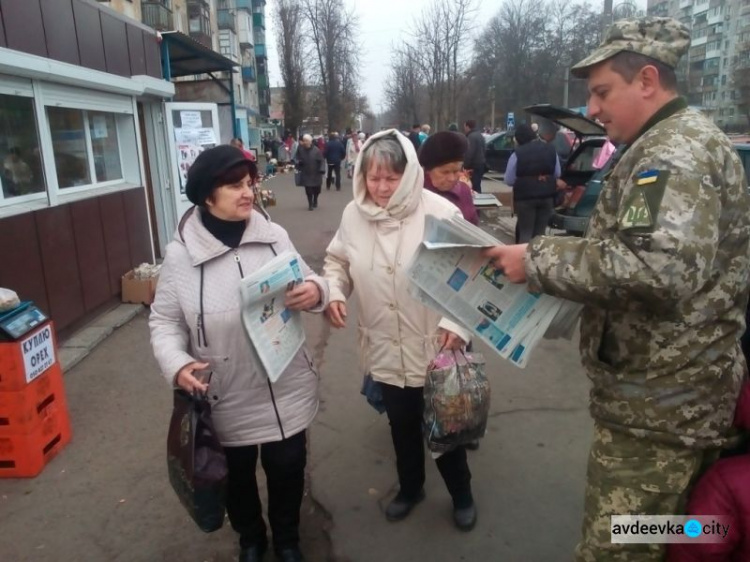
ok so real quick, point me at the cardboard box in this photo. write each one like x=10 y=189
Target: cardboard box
x=138 y=290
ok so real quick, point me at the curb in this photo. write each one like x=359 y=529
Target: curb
x=84 y=341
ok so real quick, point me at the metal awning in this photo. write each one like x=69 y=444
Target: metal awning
x=184 y=56
x=187 y=57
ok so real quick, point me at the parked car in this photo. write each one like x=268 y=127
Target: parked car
x=499 y=147
x=578 y=170
x=744 y=151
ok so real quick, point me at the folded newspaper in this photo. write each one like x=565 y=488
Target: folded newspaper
x=449 y=274
x=275 y=332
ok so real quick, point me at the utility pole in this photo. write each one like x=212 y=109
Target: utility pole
x=492 y=106
x=566 y=82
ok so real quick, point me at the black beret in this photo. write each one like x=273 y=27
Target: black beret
x=209 y=165
x=441 y=148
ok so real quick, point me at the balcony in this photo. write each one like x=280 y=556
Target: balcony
x=259 y=20
x=259 y=5
x=260 y=51
x=226 y=19
x=156 y=14
x=248 y=74
x=244 y=5
x=262 y=82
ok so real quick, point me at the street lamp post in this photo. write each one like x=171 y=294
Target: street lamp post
x=492 y=107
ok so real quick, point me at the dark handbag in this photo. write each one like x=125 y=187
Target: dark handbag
x=196 y=461
x=373 y=392
x=298 y=179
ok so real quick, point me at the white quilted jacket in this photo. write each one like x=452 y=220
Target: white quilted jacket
x=246 y=409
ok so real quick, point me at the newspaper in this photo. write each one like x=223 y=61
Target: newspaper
x=275 y=331
x=450 y=275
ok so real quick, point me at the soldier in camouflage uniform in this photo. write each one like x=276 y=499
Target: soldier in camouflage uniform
x=663 y=274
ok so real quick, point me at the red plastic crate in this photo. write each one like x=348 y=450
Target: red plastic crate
x=24 y=456
x=23 y=411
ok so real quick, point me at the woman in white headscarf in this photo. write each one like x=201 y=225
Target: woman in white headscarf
x=380 y=231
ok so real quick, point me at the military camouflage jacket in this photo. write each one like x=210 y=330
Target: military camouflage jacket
x=663 y=272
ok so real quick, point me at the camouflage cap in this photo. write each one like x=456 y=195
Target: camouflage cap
x=663 y=39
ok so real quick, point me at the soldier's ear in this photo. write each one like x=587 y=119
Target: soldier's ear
x=649 y=80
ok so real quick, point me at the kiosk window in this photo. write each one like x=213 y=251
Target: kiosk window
x=69 y=143
x=19 y=148
x=80 y=138
x=104 y=143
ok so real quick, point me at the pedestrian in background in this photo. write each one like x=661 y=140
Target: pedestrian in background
x=415 y=136
x=532 y=172
x=353 y=147
x=293 y=152
x=335 y=153
x=474 y=161
x=442 y=157
x=424 y=133
x=379 y=233
x=662 y=273
x=237 y=143
x=196 y=327
x=311 y=164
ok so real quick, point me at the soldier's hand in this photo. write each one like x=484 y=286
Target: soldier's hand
x=511 y=259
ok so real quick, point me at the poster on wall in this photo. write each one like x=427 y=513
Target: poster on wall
x=191 y=119
x=189 y=144
x=186 y=155
x=99 y=127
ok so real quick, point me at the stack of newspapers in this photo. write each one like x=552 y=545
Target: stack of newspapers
x=449 y=274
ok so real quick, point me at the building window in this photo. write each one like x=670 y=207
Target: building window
x=69 y=141
x=86 y=146
x=105 y=146
x=19 y=144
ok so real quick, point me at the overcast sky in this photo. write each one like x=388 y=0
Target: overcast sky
x=383 y=24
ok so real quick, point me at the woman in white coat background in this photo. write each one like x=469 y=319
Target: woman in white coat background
x=196 y=327
x=380 y=231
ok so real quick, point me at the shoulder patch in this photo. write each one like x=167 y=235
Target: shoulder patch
x=641 y=208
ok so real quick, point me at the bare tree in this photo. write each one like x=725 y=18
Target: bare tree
x=289 y=20
x=333 y=31
x=404 y=85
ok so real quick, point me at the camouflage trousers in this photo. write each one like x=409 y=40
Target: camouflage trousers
x=631 y=476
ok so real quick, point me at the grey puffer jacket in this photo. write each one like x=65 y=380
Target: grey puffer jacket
x=311 y=163
x=247 y=409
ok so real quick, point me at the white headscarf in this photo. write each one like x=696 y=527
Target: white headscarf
x=406 y=198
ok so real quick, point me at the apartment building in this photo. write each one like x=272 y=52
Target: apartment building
x=720 y=32
x=236 y=30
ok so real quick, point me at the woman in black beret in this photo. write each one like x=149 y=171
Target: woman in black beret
x=196 y=327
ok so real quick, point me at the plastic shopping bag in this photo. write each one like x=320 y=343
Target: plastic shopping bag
x=196 y=461
x=457 y=400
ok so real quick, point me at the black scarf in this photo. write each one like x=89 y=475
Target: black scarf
x=228 y=233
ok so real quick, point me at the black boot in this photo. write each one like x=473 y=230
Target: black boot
x=252 y=553
x=401 y=506
x=466 y=517
x=290 y=554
